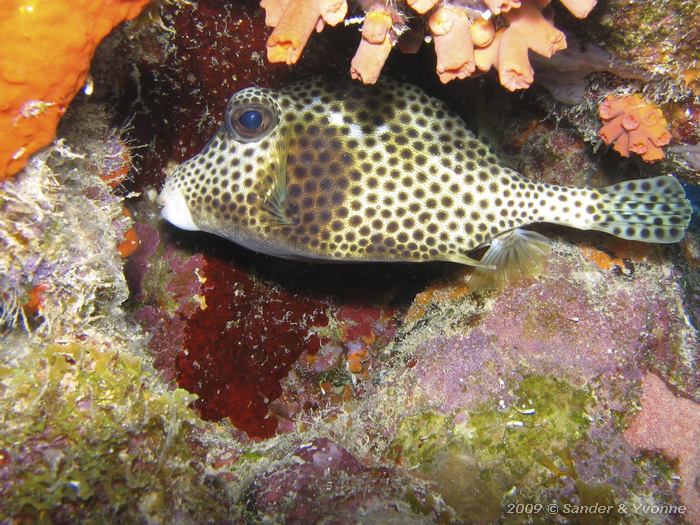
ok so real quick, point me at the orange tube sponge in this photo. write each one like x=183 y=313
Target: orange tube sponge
x=579 y=8
x=634 y=125
x=464 y=34
x=483 y=32
x=47 y=46
x=376 y=26
x=501 y=6
x=453 y=43
x=541 y=36
x=528 y=29
x=487 y=57
x=514 y=69
x=422 y=6
x=333 y=11
x=374 y=48
x=273 y=11
x=296 y=23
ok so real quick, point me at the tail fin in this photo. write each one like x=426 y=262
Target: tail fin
x=650 y=210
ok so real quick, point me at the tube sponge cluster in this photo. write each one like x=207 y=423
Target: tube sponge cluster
x=47 y=46
x=470 y=36
x=634 y=125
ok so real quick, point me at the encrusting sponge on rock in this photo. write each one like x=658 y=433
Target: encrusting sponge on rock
x=46 y=52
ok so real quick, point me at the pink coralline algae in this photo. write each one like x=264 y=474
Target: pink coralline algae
x=241 y=343
x=314 y=459
x=164 y=316
x=550 y=326
x=671 y=425
x=307 y=492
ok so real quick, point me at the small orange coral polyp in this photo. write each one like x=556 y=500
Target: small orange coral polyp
x=47 y=46
x=130 y=241
x=36 y=299
x=356 y=360
x=633 y=125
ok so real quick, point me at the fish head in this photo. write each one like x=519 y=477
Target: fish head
x=214 y=190
x=305 y=171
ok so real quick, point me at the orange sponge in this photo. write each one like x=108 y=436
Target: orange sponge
x=47 y=46
x=375 y=47
x=294 y=21
x=453 y=43
x=634 y=125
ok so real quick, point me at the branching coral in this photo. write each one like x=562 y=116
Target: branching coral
x=464 y=33
x=634 y=125
x=47 y=48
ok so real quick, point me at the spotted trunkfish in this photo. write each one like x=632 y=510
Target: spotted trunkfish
x=335 y=171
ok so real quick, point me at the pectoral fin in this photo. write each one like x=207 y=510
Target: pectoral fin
x=513 y=255
x=468 y=261
x=274 y=200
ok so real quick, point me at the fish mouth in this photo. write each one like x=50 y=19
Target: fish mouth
x=175 y=209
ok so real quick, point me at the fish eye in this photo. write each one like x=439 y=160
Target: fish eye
x=251 y=119
x=249 y=122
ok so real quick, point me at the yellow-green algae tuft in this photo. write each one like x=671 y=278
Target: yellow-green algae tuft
x=420 y=437
x=658 y=36
x=548 y=414
x=84 y=428
x=478 y=466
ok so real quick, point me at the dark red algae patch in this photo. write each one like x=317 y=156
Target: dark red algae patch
x=242 y=344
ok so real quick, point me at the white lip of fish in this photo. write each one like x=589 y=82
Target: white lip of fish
x=175 y=209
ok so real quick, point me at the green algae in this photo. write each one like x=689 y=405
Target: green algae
x=338 y=377
x=478 y=466
x=430 y=505
x=549 y=414
x=659 y=464
x=85 y=429
x=420 y=437
x=654 y=35
x=155 y=290
x=588 y=495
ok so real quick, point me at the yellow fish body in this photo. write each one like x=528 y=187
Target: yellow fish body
x=338 y=171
